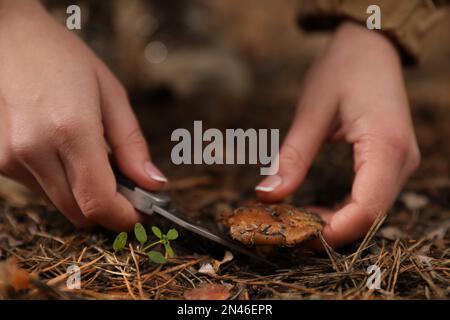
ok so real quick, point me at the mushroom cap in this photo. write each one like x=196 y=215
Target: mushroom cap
x=272 y=224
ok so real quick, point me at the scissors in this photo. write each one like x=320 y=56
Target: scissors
x=149 y=203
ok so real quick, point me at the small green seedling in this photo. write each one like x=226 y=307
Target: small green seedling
x=141 y=235
x=120 y=242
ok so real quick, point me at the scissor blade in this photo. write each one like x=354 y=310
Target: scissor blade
x=209 y=235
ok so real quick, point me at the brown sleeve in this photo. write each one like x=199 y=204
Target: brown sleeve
x=406 y=22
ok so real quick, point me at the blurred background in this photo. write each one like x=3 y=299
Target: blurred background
x=240 y=64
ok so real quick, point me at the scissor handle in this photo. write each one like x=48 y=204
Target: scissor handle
x=139 y=197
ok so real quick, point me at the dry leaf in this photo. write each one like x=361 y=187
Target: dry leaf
x=13 y=277
x=424 y=260
x=14 y=193
x=212 y=267
x=414 y=201
x=391 y=233
x=190 y=182
x=209 y=292
x=208 y=269
x=439 y=232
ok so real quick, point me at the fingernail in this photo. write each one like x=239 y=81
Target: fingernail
x=154 y=173
x=269 y=184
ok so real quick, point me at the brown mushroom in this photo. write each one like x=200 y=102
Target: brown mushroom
x=273 y=225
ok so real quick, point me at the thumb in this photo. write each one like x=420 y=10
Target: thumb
x=309 y=129
x=122 y=131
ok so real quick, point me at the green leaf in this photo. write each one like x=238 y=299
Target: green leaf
x=156 y=257
x=172 y=234
x=120 y=242
x=157 y=232
x=140 y=233
x=169 y=250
